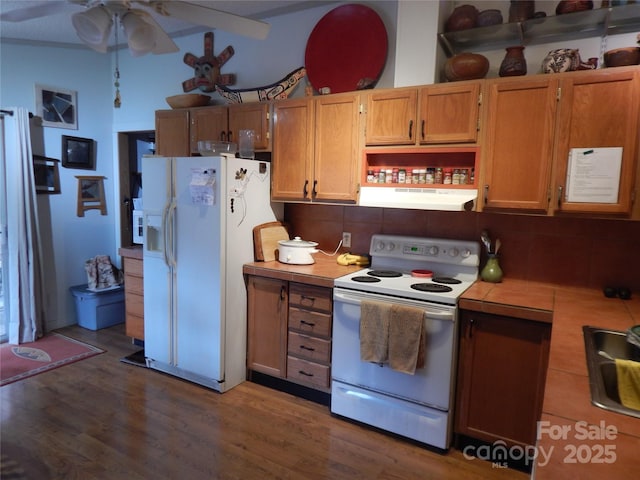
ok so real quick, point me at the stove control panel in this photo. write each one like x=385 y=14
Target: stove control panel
x=425 y=249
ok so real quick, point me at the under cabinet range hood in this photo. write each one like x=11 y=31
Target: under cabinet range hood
x=419 y=198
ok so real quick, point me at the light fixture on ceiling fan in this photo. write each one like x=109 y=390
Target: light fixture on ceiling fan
x=144 y=34
x=93 y=27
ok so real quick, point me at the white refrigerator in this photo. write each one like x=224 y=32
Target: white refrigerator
x=198 y=218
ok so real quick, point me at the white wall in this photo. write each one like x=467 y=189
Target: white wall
x=68 y=239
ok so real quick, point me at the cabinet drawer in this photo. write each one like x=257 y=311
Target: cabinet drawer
x=134 y=304
x=133 y=266
x=133 y=285
x=308 y=372
x=312 y=323
x=312 y=298
x=134 y=326
x=309 y=348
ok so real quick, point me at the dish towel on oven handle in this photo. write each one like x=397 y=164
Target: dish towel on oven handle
x=392 y=334
x=374 y=331
x=406 y=339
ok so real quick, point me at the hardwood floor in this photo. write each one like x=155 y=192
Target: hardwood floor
x=102 y=419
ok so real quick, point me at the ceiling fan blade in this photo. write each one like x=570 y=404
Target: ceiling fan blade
x=209 y=17
x=36 y=11
x=164 y=44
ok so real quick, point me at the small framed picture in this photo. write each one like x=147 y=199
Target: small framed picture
x=57 y=107
x=45 y=172
x=78 y=153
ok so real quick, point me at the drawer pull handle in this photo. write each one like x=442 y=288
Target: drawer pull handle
x=304 y=347
x=304 y=322
x=302 y=372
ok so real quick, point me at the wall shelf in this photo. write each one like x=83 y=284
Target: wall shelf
x=598 y=22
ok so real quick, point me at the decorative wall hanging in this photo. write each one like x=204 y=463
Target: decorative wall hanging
x=57 y=107
x=207 y=68
x=347 y=50
x=46 y=174
x=78 y=153
x=91 y=195
x=276 y=91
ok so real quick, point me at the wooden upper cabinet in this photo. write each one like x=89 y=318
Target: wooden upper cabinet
x=337 y=148
x=251 y=116
x=172 y=133
x=292 y=149
x=449 y=113
x=599 y=109
x=316 y=148
x=208 y=123
x=391 y=117
x=518 y=145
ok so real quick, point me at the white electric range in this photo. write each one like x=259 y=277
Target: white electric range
x=424 y=273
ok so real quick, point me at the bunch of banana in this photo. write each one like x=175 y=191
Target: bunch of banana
x=350 y=259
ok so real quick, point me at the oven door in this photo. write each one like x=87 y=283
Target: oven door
x=430 y=386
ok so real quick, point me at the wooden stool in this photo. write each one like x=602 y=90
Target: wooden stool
x=91 y=195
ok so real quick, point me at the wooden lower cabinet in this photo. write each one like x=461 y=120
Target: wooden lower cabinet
x=502 y=368
x=267 y=325
x=289 y=331
x=134 y=297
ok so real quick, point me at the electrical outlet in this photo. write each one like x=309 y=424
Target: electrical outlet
x=346 y=239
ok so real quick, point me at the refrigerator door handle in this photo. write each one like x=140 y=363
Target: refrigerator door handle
x=170 y=247
x=165 y=234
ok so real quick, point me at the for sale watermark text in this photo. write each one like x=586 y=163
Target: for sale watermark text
x=574 y=443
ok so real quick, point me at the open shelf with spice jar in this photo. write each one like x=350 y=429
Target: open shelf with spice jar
x=448 y=167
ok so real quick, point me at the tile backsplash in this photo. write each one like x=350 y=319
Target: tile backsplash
x=568 y=251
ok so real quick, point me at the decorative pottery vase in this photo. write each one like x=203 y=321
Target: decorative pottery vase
x=521 y=10
x=462 y=18
x=492 y=272
x=466 y=66
x=561 y=60
x=514 y=63
x=571 y=6
x=489 y=17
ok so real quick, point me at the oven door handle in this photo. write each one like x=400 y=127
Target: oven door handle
x=435 y=315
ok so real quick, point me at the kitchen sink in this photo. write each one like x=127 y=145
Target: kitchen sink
x=602 y=347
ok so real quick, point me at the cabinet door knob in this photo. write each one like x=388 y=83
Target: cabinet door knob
x=314 y=192
x=305 y=190
x=486 y=194
x=410 y=129
x=423 y=133
x=560 y=196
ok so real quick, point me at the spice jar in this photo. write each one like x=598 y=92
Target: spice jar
x=431 y=172
x=455 y=179
x=447 y=176
x=388 y=177
x=438 y=176
x=382 y=175
x=370 y=177
x=394 y=175
x=402 y=175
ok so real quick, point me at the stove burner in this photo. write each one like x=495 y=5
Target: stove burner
x=364 y=279
x=430 y=287
x=447 y=280
x=384 y=273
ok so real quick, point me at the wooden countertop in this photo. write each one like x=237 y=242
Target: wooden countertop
x=322 y=273
x=134 y=251
x=582 y=450
x=567 y=400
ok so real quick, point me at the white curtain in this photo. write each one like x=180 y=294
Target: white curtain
x=23 y=291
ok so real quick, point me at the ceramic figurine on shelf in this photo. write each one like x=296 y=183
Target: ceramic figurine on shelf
x=566 y=60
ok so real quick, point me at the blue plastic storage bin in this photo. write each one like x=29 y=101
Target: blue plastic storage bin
x=99 y=309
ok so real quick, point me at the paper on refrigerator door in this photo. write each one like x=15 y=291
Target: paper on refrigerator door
x=202 y=186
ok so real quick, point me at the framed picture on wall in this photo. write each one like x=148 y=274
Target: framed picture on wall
x=78 y=153
x=57 y=106
x=45 y=172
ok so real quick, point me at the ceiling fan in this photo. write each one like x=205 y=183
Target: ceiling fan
x=94 y=22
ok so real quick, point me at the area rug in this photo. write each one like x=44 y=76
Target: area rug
x=18 y=362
